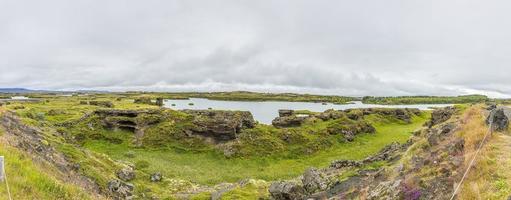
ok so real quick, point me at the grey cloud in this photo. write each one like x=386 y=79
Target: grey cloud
x=368 y=47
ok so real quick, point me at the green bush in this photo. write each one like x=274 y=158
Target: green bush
x=142 y=164
x=107 y=104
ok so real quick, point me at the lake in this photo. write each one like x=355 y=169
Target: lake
x=266 y=111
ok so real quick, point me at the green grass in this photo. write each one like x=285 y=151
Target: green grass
x=28 y=180
x=212 y=167
x=426 y=99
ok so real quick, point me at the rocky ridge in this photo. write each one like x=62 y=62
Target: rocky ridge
x=434 y=148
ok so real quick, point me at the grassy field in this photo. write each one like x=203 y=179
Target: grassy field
x=212 y=167
x=425 y=100
x=490 y=178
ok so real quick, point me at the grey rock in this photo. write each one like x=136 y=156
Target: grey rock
x=498 y=120
x=285 y=113
x=440 y=115
x=120 y=190
x=156 y=177
x=220 y=125
x=314 y=181
x=126 y=174
x=289 y=121
x=491 y=106
x=286 y=191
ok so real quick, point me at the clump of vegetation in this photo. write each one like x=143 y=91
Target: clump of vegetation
x=143 y=100
x=147 y=100
x=142 y=164
x=426 y=99
x=107 y=104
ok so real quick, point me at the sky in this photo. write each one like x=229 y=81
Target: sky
x=352 y=48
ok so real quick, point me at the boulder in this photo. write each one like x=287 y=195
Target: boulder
x=330 y=114
x=286 y=191
x=314 y=181
x=440 y=115
x=126 y=174
x=120 y=190
x=220 y=125
x=497 y=120
x=285 y=113
x=289 y=121
x=156 y=177
x=491 y=106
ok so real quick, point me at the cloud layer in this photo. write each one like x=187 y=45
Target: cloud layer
x=366 y=47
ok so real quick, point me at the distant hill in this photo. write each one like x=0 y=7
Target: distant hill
x=26 y=91
x=16 y=90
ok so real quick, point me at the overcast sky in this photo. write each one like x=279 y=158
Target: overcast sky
x=357 y=47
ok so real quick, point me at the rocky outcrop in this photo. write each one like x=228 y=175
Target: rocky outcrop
x=31 y=140
x=285 y=113
x=129 y=119
x=314 y=181
x=120 y=190
x=388 y=153
x=443 y=154
x=286 y=191
x=404 y=114
x=289 y=121
x=439 y=149
x=440 y=115
x=349 y=128
x=126 y=174
x=497 y=120
x=331 y=114
x=220 y=125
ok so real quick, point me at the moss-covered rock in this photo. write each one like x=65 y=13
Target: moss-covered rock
x=220 y=125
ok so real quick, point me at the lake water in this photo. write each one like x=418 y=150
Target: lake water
x=266 y=111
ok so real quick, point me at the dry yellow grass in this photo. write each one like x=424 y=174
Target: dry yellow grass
x=490 y=177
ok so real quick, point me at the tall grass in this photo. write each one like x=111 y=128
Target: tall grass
x=28 y=180
x=490 y=178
